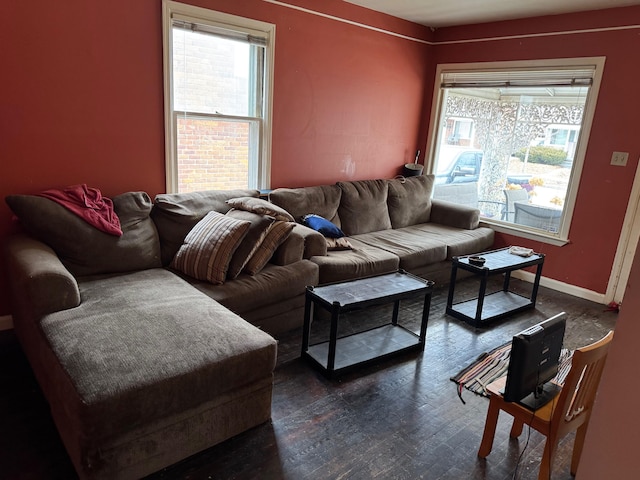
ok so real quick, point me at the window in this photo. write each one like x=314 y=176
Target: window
x=527 y=125
x=217 y=99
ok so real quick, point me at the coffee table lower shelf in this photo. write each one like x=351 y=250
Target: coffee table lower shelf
x=496 y=305
x=364 y=347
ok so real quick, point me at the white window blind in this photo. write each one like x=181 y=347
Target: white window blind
x=252 y=37
x=560 y=77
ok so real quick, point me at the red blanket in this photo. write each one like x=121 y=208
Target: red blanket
x=88 y=204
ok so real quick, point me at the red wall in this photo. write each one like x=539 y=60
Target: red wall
x=604 y=190
x=82 y=95
x=83 y=103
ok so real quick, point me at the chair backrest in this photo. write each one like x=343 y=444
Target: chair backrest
x=512 y=196
x=580 y=387
x=537 y=216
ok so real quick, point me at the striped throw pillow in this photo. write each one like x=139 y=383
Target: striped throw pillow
x=277 y=234
x=209 y=246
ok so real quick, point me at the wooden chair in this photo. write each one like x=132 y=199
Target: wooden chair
x=569 y=411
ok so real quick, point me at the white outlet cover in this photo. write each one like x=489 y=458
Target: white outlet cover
x=619 y=159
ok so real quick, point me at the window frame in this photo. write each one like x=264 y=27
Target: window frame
x=597 y=63
x=230 y=22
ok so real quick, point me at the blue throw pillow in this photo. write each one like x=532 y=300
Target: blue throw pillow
x=322 y=225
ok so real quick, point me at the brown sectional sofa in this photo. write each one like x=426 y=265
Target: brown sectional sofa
x=142 y=365
x=390 y=223
x=140 y=368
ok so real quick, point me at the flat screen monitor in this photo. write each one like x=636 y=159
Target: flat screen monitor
x=535 y=356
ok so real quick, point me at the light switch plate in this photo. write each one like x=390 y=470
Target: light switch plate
x=619 y=159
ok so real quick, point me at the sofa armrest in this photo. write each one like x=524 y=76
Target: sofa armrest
x=314 y=242
x=40 y=283
x=291 y=250
x=454 y=215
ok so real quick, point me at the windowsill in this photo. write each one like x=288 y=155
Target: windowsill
x=530 y=235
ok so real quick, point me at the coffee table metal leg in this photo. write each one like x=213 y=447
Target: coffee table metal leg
x=426 y=306
x=536 y=284
x=452 y=285
x=333 y=337
x=306 y=331
x=396 y=309
x=481 y=294
x=507 y=280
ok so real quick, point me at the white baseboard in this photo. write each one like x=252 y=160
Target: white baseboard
x=561 y=286
x=6 y=322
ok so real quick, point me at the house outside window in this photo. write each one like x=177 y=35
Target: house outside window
x=529 y=123
x=217 y=99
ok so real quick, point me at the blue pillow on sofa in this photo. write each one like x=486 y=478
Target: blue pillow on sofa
x=322 y=225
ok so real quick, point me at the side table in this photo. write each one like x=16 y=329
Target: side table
x=488 y=307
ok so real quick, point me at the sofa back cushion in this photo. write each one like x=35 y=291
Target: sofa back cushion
x=410 y=200
x=363 y=206
x=175 y=214
x=322 y=200
x=84 y=249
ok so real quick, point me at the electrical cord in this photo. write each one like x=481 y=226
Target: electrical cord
x=524 y=449
x=533 y=415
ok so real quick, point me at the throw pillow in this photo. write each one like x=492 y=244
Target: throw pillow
x=209 y=246
x=258 y=228
x=322 y=225
x=175 y=214
x=363 y=206
x=277 y=234
x=261 y=207
x=410 y=200
x=322 y=200
x=335 y=244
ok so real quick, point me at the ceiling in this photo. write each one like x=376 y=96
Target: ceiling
x=445 y=13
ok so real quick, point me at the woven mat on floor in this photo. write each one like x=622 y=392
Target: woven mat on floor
x=490 y=366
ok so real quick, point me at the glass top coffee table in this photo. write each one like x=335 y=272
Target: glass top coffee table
x=340 y=354
x=493 y=306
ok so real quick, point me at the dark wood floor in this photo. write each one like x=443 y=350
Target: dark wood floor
x=400 y=419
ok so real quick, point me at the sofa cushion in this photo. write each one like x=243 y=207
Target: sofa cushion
x=273 y=284
x=322 y=200
x=82 y=248
x=459 y=241
x=260 y=206
x=144 y=345
x=410 y=200
x=362 y=261
x=363 y=206
x=175 y=214
x=209 y=246
x=259 y=225
x=276 y=235
x=413 y=248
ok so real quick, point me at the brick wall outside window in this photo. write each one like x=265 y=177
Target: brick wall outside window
x=212 y=154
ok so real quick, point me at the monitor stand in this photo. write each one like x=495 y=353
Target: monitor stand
x=544 y=395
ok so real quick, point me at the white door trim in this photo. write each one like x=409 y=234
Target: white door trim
x=627 y=244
